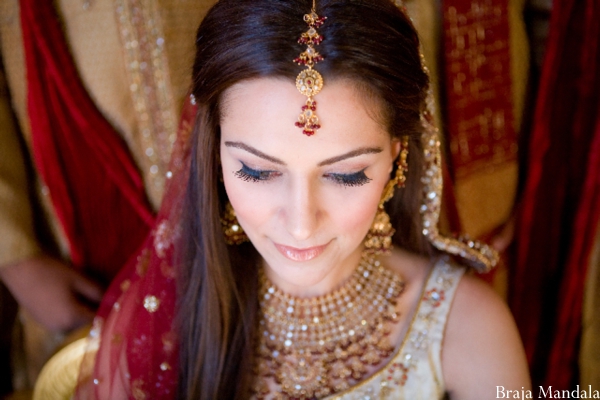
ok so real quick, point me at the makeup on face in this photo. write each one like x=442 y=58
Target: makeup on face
x=305 y=202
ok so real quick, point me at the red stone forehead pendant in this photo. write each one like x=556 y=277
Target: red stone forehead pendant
x=309 y=82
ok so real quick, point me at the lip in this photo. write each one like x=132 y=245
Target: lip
x=295 y=254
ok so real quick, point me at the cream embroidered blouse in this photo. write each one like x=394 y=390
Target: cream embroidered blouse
x=415 y=372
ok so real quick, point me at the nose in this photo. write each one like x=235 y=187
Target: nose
x=302 y=211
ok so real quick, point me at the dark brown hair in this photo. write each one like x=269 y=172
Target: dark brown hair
x=370 y=42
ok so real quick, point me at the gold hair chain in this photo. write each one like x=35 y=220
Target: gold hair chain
x=310 y=82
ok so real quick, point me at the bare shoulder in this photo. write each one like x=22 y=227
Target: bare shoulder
x=482 y=351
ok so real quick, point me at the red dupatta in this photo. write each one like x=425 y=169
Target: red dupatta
x=94 y=185
x=132 y=349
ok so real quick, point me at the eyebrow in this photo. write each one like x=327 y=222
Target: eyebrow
x=258 y=153
x=329 y=161
x=350 y=154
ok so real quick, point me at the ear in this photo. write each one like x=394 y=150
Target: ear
x=395 y=150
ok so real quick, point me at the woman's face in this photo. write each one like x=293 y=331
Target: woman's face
x=306 y=203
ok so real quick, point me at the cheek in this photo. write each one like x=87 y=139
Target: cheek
x=354 y=213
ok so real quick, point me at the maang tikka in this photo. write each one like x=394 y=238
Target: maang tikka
x=310 y=82
x=379 y=238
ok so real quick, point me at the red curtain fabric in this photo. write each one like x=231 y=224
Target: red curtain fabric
x=477 y=83
x=95 y=187
x=560 y=207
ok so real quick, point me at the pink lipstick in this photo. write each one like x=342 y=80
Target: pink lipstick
x=295 y=254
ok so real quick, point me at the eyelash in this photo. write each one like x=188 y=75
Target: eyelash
x=356 y=179
x=253 y=175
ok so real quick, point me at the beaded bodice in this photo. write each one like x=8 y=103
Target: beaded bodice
x=415 y=371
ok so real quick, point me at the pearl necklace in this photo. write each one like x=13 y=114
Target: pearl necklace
x=319 y=346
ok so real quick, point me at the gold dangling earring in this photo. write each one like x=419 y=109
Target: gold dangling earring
x=234 y=234
x=379 y=238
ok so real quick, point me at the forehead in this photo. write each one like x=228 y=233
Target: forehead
x=262 y=113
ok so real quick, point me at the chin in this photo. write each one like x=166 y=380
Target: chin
x=306 y=278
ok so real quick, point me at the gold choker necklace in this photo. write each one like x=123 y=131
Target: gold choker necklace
x=319 y=346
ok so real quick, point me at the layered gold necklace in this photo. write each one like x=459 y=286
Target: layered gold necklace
x=319 y=346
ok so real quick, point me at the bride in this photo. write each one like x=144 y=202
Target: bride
x=297 y=254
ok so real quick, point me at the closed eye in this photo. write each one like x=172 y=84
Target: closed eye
x=356 y=179
x=255 y=175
